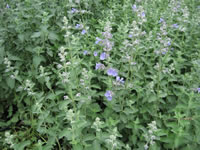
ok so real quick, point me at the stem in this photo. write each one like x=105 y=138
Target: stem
x=58 y=144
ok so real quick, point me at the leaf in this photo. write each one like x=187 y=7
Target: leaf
x=95 y=108
x=10 y=82
x=37 y=60
x=96 y=145
x=152 y=98
x=51 y=96
x=22 y=145
x=36 y=35
x=65 y=133
x=78 y=147
x=21 y=37
x=53 y=36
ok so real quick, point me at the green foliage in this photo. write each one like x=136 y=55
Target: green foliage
x=99 y=74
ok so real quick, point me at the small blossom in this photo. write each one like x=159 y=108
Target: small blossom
x=95 y=53
x=83 y=32
x=120 y=80
x=85 y=52
x=161 y=20
x=109 y=95
x=98 y=40
x=130 y=35
x=143 y=14
x=78 y=26
x=103 y=56
x=7 y=6
x=112 y=72
x=175 y=25
x=134 y=7
x=74 y=10
x=66 y=97
x=99 y=66
x=146 y=146
x=78 y=94
x=198 y=90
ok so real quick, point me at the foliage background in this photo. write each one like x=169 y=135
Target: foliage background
x=44 y=106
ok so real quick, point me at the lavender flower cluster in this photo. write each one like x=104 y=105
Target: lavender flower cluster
x=163 y=38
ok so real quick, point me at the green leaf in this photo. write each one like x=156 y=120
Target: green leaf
x=37 y=60
x=53 y=36
x=36 y=35
x=96 y=145
x=77 y=147
x=10 y=82
x=22 y=145
x=65 y=133
x=152 y=98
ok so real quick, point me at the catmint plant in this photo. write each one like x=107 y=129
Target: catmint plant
x=150 y=137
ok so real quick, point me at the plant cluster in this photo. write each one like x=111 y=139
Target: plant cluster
x=100 y=75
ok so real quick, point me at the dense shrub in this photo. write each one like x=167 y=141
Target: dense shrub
x=99 y=74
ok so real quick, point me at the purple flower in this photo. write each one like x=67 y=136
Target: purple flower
x=198 y=90
x=175 y=25
x=98 y=40
x=134 y=7
x=73 y=10
x=108 y=95
x=103 y=56
x=95 y=53
x=168 y=43
x=112 y=72
x=161 y=20
x=7 y=6
x=120 y=80
x=85 y=52
x=78 y=26
x=83 y=31
x=143 y=14
x=99 y=66
x=130 y=35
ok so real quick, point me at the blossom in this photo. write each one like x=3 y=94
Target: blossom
x=108 y=95
x=95 y=53
x=78 y=26
x=134 y=7
x=98 y=40
x=103 y=56
x=175 y=25
x=143 y=14
x=7 y=6
x=83 y=31
x=130 y=35
x=112 y=72
x=74 y=10
x=198 y=90
x=119 y=80
x=85 y=52
x=161 y=20
x=99 y=66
